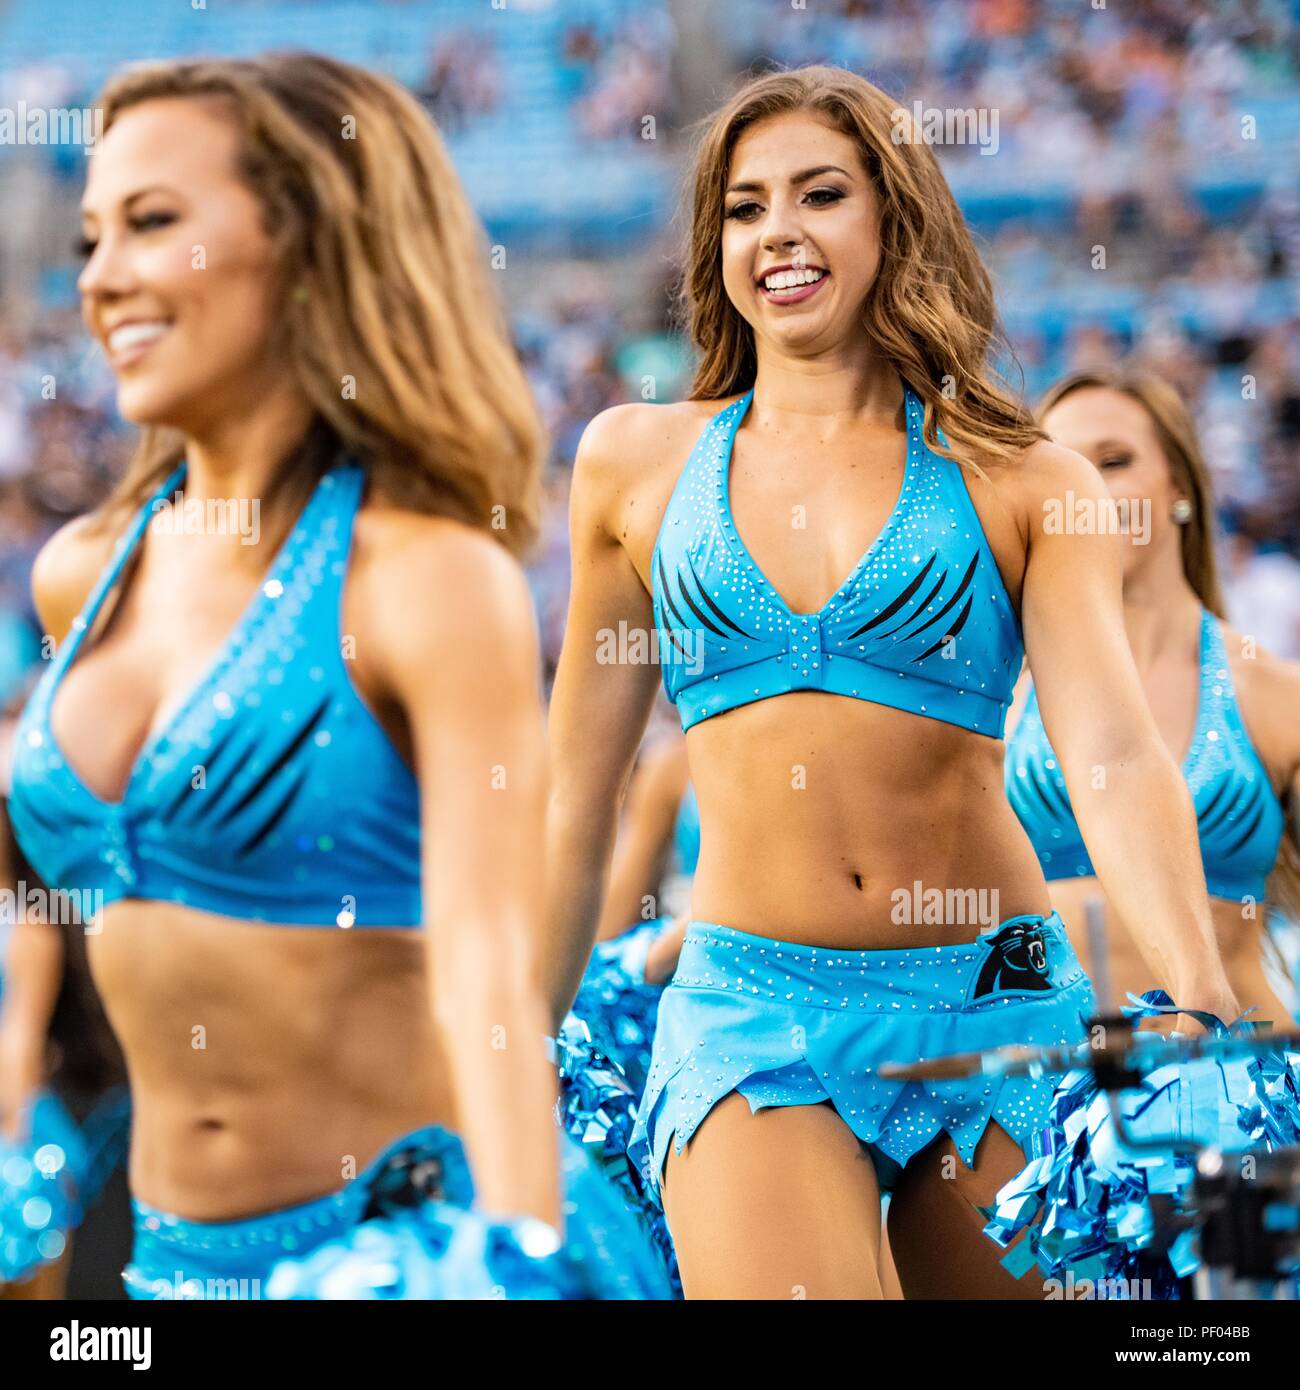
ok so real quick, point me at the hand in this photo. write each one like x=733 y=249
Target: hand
x=1214 y=997
x=22 y=1071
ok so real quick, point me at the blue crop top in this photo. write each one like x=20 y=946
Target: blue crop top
x=922 y=624
x=1239 y=818
x=272 y=794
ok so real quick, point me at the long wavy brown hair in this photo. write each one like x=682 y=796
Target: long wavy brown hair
x=382 y=275
x=930 y=311
x=1176 y=432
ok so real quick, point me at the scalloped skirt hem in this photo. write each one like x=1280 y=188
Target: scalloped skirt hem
x=784 y=1024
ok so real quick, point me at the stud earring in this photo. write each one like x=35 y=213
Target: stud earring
x=1181 y=511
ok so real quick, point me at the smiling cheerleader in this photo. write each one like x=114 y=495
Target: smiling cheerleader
x=841 y=537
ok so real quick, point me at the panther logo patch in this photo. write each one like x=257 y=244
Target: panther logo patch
x=1016 y=962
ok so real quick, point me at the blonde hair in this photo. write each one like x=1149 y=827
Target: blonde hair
x=382 y=278
x=930 y=311
x=1176 y=434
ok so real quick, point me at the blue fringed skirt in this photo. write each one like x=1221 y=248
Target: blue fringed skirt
x=788 y=1024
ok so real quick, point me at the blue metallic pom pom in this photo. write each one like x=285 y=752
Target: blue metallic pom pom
x=106 y=1134
x=617 y=1005
x=1087 y=1201
x=418 y=1237
x=437 y=1251
x=618 y=1253
x=41 y=1180
x=597 y=1109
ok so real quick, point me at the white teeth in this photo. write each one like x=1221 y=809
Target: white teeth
x=133 y=334
x=787 y=280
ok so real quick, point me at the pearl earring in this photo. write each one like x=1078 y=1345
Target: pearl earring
x=1181 y=511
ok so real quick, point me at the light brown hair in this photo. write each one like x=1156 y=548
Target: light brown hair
x=1176 y=433
x=382 y=279
x=930 y=311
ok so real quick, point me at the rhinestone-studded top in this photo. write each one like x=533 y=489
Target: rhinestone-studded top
x=272 y=794
x=922 y=624
x=1238 y=816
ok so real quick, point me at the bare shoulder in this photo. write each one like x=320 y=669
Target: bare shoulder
x=1015 y=495
x=434 y=571
x=639 y=429
x=626 y=445
x=1046 y=471
x=66 y=570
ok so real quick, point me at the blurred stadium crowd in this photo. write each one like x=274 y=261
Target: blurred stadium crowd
x=1141 y=199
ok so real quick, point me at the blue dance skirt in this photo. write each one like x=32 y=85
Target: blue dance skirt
x=405 y=1228
x=788 y=1024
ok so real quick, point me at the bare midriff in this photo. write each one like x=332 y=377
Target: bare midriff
x=832 y=821
x=268 y=1064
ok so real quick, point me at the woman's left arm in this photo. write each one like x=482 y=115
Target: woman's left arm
x=460 y=653
x=1132 y=805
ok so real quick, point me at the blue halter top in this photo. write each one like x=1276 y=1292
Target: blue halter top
x=1239 y=818
x=272 y=794
x=923 y=623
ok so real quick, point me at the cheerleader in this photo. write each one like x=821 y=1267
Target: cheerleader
x=839 y=541
x=1225 y=709
x=295 y=751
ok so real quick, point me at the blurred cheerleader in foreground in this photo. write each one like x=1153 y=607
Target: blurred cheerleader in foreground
x=1227 y=710
x=303 y=759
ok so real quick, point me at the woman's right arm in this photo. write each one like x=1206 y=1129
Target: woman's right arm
x=600 y=702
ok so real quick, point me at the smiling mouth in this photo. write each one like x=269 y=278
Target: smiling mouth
x=125 y=344
x=792 y=286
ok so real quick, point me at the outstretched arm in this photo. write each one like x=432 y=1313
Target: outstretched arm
x=1132 y=805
